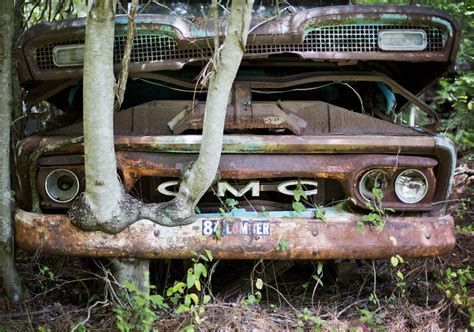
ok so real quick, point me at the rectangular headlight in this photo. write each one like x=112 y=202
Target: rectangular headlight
x=402 y=40
x=68 y=55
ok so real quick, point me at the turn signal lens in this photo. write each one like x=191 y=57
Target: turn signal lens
x=402 y=40
x=68 y=55
x=62 y=185
x=375 y=178
x=411 y=186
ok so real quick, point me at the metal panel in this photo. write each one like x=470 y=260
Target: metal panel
x=337 y=238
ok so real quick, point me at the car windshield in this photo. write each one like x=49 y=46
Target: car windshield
x=194 y=9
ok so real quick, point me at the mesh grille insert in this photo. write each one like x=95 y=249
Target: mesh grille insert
x=360 y=38
x=337 y=38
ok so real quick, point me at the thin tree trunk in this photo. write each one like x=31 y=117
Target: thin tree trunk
x=8 y=273
x=197 y=179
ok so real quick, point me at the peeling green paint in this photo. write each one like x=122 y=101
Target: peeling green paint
x=394 y=17
x=444 y=23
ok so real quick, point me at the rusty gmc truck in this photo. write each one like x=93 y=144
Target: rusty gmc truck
x=325 y=103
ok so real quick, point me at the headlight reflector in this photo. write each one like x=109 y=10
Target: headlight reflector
x=375 y=178
x=402 y=40
x=411 y=186
x=68 y=55
x=62 y=185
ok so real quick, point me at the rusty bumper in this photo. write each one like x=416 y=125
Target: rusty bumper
x=306 y=238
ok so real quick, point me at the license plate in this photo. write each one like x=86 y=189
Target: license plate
x=211 y=227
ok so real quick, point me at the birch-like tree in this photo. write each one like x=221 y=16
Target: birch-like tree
x=104 y=205
x=8 y=273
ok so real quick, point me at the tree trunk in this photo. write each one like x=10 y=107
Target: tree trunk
x=197 y=179
x=133 y=270
x=8 y=273
x=103 y=206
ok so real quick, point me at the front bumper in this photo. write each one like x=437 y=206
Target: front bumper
x=280 y=238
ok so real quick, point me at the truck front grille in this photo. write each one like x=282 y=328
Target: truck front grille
x=149 y=47
x=360 y=38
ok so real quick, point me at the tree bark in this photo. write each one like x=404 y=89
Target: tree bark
x=133 y=270
x=8 y=273
x=197 y=179
x=104 y=205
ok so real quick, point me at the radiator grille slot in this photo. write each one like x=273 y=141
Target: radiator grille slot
x=146 y=48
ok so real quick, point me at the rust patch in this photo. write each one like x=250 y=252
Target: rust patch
x=337 y=238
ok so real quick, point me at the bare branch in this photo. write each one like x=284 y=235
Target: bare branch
x=123 y=75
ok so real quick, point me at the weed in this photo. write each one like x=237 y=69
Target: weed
x=456 y=285
x=298 y=193
x=142 y=310
x=316 y=321
x=282 y=245
x=49 y=275
x=44 y=329
x=371 y=319
x=255 y=297
x=320 y=213
x=378 y=213
x=182 y=295
x=231 y=203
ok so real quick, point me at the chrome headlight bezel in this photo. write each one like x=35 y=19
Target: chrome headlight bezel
x=383 y=184
x=52 y=179
x=76 y=54
x=413 y=39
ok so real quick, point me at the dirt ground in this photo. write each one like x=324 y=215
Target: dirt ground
x=418 y=294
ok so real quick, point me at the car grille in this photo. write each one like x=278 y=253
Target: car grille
x=337 y=38
x=360 y=38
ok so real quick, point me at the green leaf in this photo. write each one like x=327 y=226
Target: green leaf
x=298 y=207
x=232 y=203
x=206 y=299
x=197 y=283
x=191 y=280
x=194 y=297
x=298 y=193
x=181 y=309
x=209 y=254
x=320 y=213
x=318 y=280
x=259 y=284
x=320 y=268
x=394 y=261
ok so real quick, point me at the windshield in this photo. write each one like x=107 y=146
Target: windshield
x=262 y=8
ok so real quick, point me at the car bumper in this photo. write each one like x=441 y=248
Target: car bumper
x=276 y=237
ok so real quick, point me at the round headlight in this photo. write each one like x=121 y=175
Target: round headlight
x=375 y=178
x=62 y=185
x=411 y=186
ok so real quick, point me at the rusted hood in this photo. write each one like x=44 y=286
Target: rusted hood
x=299 y=36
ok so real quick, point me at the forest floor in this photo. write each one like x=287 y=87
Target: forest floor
x=418 y=294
